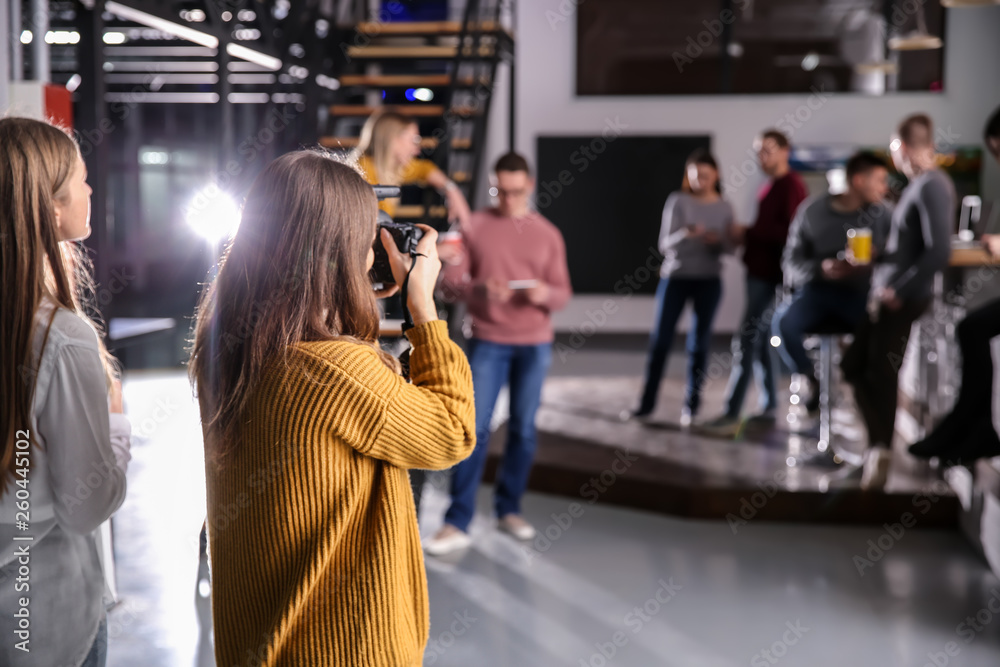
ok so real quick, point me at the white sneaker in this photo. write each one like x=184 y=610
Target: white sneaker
x=876 y=472
x=516 y=526
x=447 y=540
x=686 y=418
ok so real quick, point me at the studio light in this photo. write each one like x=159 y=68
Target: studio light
x=212 y=214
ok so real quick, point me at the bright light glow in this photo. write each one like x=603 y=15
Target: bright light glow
x=837 y=179
x=26 y=37
x=327 y=82
x=256 y=57
x=810 y=61
x=154 y=157
x=246 y=34
x=246 y=15
x=227 y=16
x=74 y=83
x=193 y=15
x=213 y=214
x=494 y=192
x=190 y=34
x=775 y=341
x=62 y=37
x=298 y=72
x=423 y=94
x=895 y=144
x=114 y=38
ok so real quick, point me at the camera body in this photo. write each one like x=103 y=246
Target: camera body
x=405 y=235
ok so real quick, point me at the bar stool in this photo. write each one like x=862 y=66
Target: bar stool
x=827 y=333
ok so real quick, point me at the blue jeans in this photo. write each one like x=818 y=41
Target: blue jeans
x=98 y=655
x=494 y=365
x=752 y=351
x=672 y=294
x=816 y=305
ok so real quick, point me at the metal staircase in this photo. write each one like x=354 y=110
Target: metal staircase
x=453 y=65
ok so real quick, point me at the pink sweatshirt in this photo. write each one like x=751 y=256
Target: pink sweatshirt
x=508 y=249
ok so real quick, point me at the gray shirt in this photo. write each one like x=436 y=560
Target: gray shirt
x=919 y=243
x=819 y=232
x=76 y=480
x=685 y=257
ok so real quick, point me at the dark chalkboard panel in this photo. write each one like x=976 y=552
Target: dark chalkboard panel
x=606 y=195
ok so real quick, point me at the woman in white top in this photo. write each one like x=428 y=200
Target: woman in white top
x=65 y=442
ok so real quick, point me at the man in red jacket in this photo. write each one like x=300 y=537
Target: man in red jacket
x=764 y=245
x=512 y=274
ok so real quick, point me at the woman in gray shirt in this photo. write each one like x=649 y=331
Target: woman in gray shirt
x=65 y=446
x=694 y=234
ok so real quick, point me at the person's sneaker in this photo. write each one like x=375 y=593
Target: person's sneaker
x=640 y=414
x=876 y=468
x=516 y=526
x=721 y=427
x=765 y=418
x=687 y=416
x=447 y=540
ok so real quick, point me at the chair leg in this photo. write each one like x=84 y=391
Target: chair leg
x=826 y=374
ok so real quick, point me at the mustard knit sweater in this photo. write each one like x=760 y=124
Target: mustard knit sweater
x=315 y=550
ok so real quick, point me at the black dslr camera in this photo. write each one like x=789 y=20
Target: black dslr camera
x=406 y=236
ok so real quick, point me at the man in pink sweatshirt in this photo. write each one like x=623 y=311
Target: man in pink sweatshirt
x=511 y=272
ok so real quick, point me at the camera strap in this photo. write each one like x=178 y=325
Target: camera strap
x=407 y=318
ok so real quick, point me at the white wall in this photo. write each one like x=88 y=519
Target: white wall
x=547 y=105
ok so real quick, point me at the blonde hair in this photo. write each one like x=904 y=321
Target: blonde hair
x=36 y=162
x=377 y=136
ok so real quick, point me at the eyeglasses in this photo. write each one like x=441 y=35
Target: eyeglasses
x=508 y=194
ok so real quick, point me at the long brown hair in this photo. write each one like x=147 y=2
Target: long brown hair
x=377 y=136
x=36 y=161
x=701 y=156
x=295 y=271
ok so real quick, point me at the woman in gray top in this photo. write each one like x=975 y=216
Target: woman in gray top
x=694 y=234
x=65 y=444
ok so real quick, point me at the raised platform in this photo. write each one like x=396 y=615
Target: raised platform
x=587 y=453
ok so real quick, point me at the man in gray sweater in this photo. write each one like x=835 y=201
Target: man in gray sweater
x=829 y=290
x=919 y=245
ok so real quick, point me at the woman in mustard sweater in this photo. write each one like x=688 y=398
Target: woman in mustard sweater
x=309 y=428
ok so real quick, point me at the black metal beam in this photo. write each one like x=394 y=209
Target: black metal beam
x=94 y=127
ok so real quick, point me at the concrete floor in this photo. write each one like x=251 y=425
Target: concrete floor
x=607 y=587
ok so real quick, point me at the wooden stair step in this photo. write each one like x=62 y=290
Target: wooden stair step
x=352 y=142
x=373 y=28
x=425 y=142
x=412 y=110
x=408 y=80
x=363 y=52
x=417 y=211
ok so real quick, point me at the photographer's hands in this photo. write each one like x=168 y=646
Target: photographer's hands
x=423 y=278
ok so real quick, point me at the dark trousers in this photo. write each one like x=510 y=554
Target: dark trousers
x=975 y=399
x=672 y=294
x=752 y=351
x=871 y=365
x=816 y=304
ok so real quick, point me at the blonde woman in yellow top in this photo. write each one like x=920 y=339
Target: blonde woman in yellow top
x=387 y=155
